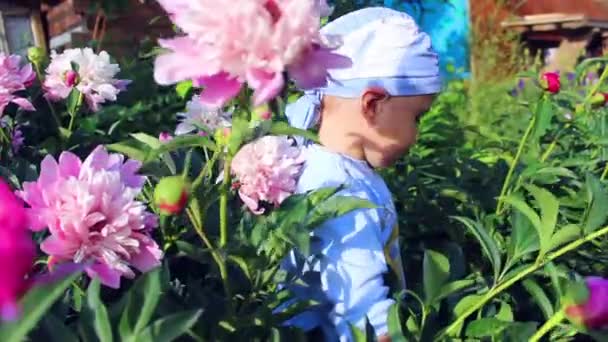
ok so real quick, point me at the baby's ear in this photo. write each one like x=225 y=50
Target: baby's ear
x=370 y=102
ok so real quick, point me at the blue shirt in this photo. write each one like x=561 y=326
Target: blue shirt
x=354 y=251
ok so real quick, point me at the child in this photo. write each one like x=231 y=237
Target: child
x=367 y=116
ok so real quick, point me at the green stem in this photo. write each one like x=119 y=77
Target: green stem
x=224 y=203
x=217 y=257
x=549 y=150
x=522 y=144
x=75 y=113
x=3 y=136
x=557 y=318
x=452 y=328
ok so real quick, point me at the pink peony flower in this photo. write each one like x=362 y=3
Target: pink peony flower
x=593 y=311
x=92 y=215
x=267 y=170
x=14 y=78
x=94 y=77
x=228 y=43
x=17 y=252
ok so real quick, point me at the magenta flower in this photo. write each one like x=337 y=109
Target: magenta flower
x=593 y=311
x=228 y=43
x=17 y=252
x=92 y=215
x=550 y=82
x=94 y=78
x=267 y=170
x=13 y=78
x=165 y=137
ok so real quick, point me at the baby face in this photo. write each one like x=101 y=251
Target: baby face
x=392 y=127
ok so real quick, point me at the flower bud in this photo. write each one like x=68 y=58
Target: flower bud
x=165 y=137
x=36 y=55
x=222 y=136
x=550 y=82
x=599 y=100
x=171 y=195
x=586 y=303
x=71 y=78
x=262 y=112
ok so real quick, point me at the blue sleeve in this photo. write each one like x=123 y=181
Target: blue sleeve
x=352 y=265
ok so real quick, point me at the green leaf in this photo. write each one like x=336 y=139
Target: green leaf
x=464 y=304
x=65 y=133
x=563 y=236
x=505 y=313
x=178 y=143
x=454 y=287
x=152 y=292
x=149 y=140
x=517 y=201
x=486 y=327
x=519 y=331
x=597 y=210
x=524 y=238
x=357 y=334
x=193 y=252
x=544 y=114
x=127 y=149
x=183 y=88
x=240 y=261
x=284 y=128
x=540 y=297
x=436 y=272
x=35 y=304
x=170 y=327
x=98 y=310
x=488 y=244
x=549 y=208
x=395 y=330
x=73 y=101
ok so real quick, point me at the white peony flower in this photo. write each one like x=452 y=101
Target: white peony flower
x=94 y=77
x=199 y=116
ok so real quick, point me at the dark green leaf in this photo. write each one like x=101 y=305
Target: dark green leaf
x=152 y=290
x=193 y=252
x=57 y=330
x=334 y=207
x=101 y=320
x=486 y=327
x=524 y=238
x=540 y=297
x=436 y=272
x=127 y=149
x=357 y=334
x=505 y=313
x=519 y=331
x=454 y=287
x=488 y=244
x=36 y=303
x=597 y=210
x=149 y=140
x=170 y=327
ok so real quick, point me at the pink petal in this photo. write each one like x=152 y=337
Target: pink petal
x=69 y=164
x=148 y=257
x=312 y=71
x=60 y=248
x=251 y=203
x=49 y=171
x=219 y=89
x=34 y=220
x=24 y=104
x=186 y=61
x=267 y=85
x=107 y=276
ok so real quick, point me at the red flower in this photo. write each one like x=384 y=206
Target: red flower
x=550 y=82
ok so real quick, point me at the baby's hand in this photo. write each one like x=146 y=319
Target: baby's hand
x=384 y=338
